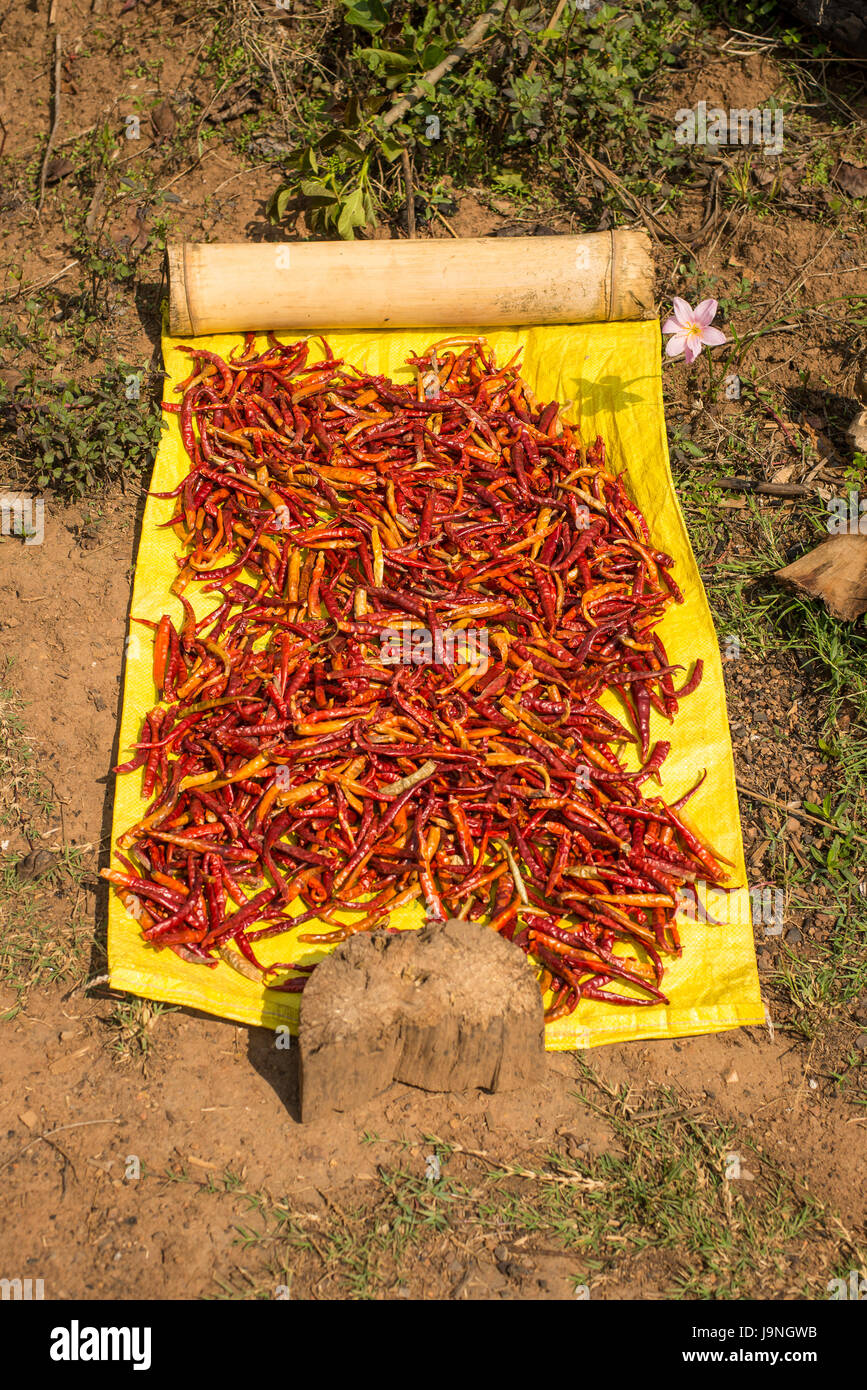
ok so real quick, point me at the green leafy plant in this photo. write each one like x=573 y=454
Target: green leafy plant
x=366 y=14
x=72 y=437
x=333 y=181
x=513 y=108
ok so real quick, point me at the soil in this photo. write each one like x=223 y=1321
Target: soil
x=76 y=1108
x=75 y=1219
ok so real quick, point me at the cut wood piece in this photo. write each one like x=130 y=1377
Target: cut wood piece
x=445 y=1008
x=857 y=432
x=835 y=572
x=222 y=287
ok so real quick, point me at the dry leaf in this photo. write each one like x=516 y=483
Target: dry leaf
x=163 y=120
x=140 y=227
x=136 y=236
x=10 y=378
x=34 y=864
x=812 y=426
x=852 y=179
x=58 y=169
x=784 y=474
x=785 y=179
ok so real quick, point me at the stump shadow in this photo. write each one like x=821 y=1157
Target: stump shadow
x=280 y=1067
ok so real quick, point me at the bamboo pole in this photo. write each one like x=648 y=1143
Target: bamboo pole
x=479 y=282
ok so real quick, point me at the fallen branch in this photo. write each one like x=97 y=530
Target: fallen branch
x=410 y=192
x=433 y=75
x=765 y=489
x=446 y=223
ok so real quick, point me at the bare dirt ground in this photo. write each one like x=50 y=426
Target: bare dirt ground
x=158 y=1153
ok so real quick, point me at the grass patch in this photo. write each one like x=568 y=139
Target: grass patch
x=24 y=794
x=820 y=980
x=663 y=1209
x=43 y=935
x=825 y=978
x=131 y=1026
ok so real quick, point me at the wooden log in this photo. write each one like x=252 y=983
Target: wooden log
x=835 y=572
x=223 y=287
x=445 y=1008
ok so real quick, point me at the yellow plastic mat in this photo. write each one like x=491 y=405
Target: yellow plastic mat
x=612 y=373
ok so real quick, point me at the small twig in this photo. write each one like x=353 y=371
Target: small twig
x=47 y=1134
x=568 y=1177
x=58 y=53
x=39 y=284
x=410 y=191
x=67 y=1161
x=446 y=223
x=254 y=168
x=80 y=134
x=552 y=24
x=766 y=332
x=798 y=815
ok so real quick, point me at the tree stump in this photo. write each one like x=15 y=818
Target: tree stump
x=451 y=1006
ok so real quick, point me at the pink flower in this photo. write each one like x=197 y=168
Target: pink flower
x=690 y=328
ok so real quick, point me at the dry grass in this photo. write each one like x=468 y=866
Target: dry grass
x=283 y=43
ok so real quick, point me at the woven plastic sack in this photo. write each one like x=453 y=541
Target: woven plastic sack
x=612 y=375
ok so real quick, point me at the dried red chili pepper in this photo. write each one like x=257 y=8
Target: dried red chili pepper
x=296 y=758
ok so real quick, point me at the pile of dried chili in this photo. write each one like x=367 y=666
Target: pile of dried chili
x=298 y=774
